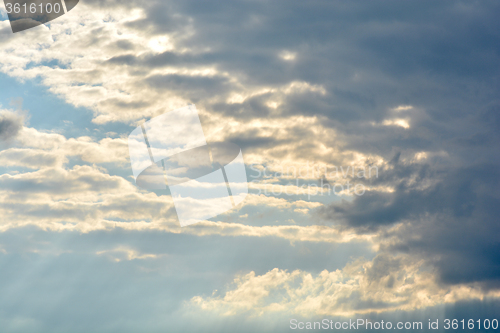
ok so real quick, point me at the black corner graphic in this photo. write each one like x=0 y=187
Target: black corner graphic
x=26 y=14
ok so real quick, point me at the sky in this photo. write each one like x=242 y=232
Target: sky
x=316 y=94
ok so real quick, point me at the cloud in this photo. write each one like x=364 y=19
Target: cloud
x=10 y=124
x=30 y=158
x=87 y=197
x=59 y=147
x=426 y=214
x=361 y=287
x=120 y=254
x=410 y=88
x=56 y=181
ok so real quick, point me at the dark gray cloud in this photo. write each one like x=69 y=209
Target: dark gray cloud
x=452 y=223
x=194 y=88
x=10 y=125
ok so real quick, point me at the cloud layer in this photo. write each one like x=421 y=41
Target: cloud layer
x=408 y=88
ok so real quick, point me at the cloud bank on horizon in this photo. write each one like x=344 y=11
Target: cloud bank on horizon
x=408 y=88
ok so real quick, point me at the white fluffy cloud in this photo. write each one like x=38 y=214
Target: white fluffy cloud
x=384 y=284
x=86 y=197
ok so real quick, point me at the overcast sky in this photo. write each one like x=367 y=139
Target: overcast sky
x=409 y=89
